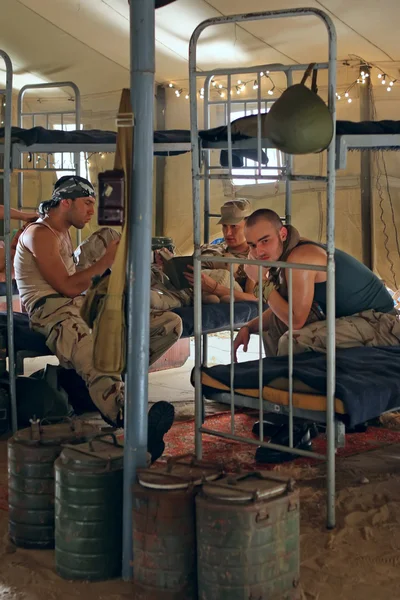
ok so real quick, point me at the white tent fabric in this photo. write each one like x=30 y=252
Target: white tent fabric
x=87 y=41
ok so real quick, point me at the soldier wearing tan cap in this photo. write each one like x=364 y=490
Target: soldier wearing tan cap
x=233 y=218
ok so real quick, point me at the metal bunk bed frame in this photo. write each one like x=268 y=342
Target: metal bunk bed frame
x=6 y=176
x=142 y=49
x=205 y=175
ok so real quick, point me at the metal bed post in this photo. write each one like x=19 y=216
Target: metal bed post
x=330 y=269
x=21 y=115
x=207 y=190
x=330 y=292
x=195 y=147
x=7 y=237
x=289 y=168
x=142 y=35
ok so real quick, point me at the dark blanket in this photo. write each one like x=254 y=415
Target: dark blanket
x=24 y=337
x=367 y=379
x=40 y=135
x=3 y=291
x=216 y=317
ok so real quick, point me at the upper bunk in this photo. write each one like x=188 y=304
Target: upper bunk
x=350 y=136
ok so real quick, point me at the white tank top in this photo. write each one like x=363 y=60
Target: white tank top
x=31 y=284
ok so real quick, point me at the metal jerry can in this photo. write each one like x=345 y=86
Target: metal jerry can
x=88 y=508
x=31 y=455
x=164 y=529
x=248 y=538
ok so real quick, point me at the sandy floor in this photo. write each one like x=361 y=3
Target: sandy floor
x=359 y=560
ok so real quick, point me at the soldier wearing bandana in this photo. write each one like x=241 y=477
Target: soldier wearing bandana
x=51 y=288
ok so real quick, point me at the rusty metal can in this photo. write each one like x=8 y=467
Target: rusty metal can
x=31 y=455
x=88 y=507
x=248 y=538
x=164 y=530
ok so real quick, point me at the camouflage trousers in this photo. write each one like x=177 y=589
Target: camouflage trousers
x=164 y=297
x=71 y=340
x=368 y=328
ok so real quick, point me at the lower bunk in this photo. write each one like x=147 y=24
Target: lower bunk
x=215 y=317
x=367 y=385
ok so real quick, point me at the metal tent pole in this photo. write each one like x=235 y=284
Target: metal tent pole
x=142 y=24
x=7 y=237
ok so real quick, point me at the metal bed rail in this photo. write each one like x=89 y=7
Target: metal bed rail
x=6 y=176
x=202 y=173
x=33 y=115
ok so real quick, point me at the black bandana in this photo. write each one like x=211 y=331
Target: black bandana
x=68 y=187
x=72 y=187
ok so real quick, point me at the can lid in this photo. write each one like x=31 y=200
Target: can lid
x=98 y=453
x=248 y=487
x=55 y=431
x=179 y=473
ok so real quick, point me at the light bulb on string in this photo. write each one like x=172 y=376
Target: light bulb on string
x=255 y=85
x=346 y=94
x=239 y=81
x=379 y=75
x=214 y=83
x=262 y=74
x=187 y=97
x=220 y=86
x=349 y=100
x=271 y=92
x=391 y=83
x=171 y=85
x=222 y=94
x=243 y=87
x=238 y=90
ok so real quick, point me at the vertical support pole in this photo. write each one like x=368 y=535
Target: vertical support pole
x=77 y=155
x=207 y=193
x=330 y=284
x=7 y=237
x=367 y=227
x=289 y=169
x=160 y=164
x=196 y=169
x=142 y=24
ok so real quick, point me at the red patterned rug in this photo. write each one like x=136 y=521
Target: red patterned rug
x=180 y=440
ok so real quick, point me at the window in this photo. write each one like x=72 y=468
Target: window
x=64 y=162
x=250 y=166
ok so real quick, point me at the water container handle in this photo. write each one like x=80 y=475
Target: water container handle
x=36 y=432
x=103 y=435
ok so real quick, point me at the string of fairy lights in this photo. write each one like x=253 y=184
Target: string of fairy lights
x=61 y=164
x=217 y=88
x=222 y=91
x=240 y=87
x=365 y=69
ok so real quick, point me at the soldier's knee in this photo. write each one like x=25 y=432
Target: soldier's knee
x=176 y=325
x=283 y=345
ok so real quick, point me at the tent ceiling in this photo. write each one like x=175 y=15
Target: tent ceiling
x=87 y=41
